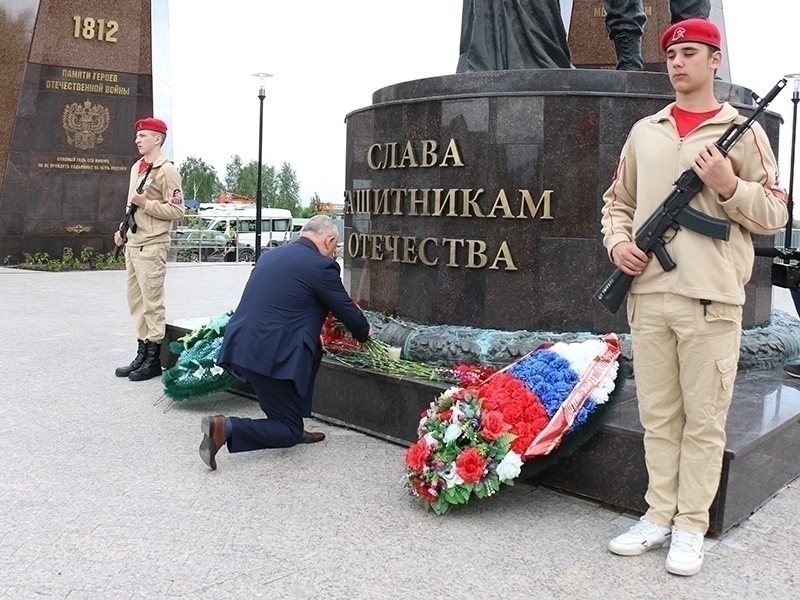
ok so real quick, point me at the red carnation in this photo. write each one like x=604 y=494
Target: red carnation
x=493 y=425
x=445 y=415
x=470 y=466
x=416 y=455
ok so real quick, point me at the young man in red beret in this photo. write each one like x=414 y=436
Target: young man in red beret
x=158 y=204
x=686 y=323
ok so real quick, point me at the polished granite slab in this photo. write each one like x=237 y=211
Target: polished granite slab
x=762 y=453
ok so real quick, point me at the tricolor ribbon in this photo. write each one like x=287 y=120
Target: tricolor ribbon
x=550 y=437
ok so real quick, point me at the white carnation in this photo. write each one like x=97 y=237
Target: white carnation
x=510 y=466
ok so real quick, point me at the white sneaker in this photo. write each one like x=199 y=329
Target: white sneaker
x=685 y=553
x=639 y=539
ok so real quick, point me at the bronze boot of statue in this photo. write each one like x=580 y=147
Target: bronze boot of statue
x=628 y=47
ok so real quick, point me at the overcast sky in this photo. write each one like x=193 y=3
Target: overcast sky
x=328 y=58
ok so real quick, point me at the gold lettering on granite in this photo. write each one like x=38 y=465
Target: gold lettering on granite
x=429 y=153
x=501 y=202
x=504 y=254
x=449 y=200
x=409 y=250
x=471 y=203
x=405 y=249
x=92 y=82
x=377 y=251
x=453 y=202
x=527 y=200
x=423 y=256
x=476 y=254
x=408 y=155
x=421 y=202
x=391 y=244
x=453 y=243
x=452 y=153
x=90 y=28
x=385 y=156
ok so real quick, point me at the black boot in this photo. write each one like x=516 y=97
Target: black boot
x=151 y=367
x=137 y=362
x=629 y=52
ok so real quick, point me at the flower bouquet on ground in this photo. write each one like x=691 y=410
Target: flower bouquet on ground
x=483 y=434
x=196 y=372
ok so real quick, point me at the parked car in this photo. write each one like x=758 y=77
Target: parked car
x=297 y=226
x=202 y=245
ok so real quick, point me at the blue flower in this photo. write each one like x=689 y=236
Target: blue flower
x=548 y=375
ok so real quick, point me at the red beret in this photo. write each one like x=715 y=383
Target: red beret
x=692 y=30
x=151 y=124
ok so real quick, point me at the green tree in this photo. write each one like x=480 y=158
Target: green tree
x=200 y=180
x=248 y=183
x=288 y=189
x=279 y=189
x=233 y=172
x=308 y=210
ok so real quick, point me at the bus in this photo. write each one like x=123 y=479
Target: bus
x=238 y=222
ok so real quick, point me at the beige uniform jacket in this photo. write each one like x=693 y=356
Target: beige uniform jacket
x=652 y=159
x=154 y=220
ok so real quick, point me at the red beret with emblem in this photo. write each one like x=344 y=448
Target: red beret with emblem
x=692 y=30
x=151 y=124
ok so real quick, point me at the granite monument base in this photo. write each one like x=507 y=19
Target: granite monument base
x=475 y=199
x=762 y=453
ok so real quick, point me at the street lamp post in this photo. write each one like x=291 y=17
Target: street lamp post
x=261 y=96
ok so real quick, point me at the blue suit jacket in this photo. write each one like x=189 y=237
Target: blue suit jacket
x=275 y=329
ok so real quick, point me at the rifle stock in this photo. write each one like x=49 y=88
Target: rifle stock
x=672 y=213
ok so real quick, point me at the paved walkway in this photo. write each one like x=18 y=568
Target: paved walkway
x=103 y=494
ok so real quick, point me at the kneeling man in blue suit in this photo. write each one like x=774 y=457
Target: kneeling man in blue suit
x=273 y=341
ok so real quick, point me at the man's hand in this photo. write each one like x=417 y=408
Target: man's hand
x=716 y=171
x=139 y=200
x=118 y=239
x=629 y=258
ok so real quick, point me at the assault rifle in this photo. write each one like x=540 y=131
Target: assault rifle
x=129 y=224
x=675 y=211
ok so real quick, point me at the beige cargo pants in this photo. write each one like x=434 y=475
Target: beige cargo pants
x=685 y=357
x=146 y=267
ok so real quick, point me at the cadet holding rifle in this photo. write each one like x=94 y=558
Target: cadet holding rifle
x=155 y=200
x=686 y=322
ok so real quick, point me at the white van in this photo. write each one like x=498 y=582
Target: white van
x=239 y=221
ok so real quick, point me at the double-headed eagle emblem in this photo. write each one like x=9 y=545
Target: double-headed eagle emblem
x=84 y=123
